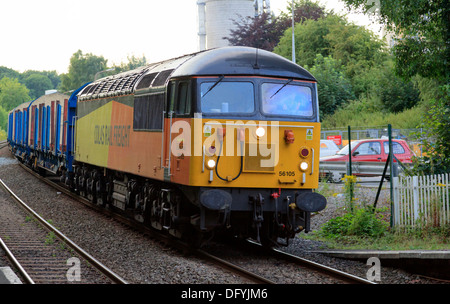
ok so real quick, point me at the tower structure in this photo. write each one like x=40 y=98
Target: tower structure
x=215 y=19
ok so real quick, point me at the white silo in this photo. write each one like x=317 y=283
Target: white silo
x=216 y=19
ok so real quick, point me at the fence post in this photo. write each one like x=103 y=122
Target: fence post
x=416 y=198
x=396 y=201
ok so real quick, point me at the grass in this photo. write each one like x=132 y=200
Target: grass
x=357 y=113
x=390 y=241
x=364 y=229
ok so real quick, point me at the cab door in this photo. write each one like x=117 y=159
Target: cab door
x=177 y=131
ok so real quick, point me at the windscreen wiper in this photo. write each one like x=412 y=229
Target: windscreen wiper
x=288 y=82
x=212 y=87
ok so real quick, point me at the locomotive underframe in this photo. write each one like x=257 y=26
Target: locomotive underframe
x=196 y=213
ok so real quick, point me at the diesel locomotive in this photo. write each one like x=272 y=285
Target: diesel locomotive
x=223 y=140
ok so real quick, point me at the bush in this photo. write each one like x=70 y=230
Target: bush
x=364 y=222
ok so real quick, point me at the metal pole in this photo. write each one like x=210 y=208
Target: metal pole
x=293 y=33
x=349 y=151
x=391 y=178
x=350 y=173
x=98 y=73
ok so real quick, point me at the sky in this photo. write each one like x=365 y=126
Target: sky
x=44 y=34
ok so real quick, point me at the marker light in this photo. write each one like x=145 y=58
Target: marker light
x=260 y=132
x=304 y=166
x=304 y=152
x=211 y=164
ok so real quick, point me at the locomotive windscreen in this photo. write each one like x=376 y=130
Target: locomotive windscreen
x=286 y=99
x=227 y=97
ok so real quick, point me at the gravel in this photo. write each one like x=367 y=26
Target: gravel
x=138 y=259
x=130 y=254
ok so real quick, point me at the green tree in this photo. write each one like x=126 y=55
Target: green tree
x=133 y=63
x=7 y=72
x=436 y=136
x=264 y=31
x=51 y=75
x=333 y=87
x=422 y=31
x=82 y=69
x=356 y=47
x=12 y=93
x=394 y=93
x=3 y=119
x=38 y=84
x=421 y=48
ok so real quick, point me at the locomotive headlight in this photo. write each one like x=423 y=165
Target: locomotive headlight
x=304 y=166
x=211 y=164
x=260 y=132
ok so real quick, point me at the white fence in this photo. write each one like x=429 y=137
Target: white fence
x=421 y=200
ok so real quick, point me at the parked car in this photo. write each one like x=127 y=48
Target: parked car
x=328 y=148
x=375 y=150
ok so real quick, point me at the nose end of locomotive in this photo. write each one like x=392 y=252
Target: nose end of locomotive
x=311 y=202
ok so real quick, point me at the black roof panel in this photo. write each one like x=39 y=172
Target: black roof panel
x=241 y=61
x=231 y=60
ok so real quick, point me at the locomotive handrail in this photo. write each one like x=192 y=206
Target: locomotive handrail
x=162 y=139
x=74 y=126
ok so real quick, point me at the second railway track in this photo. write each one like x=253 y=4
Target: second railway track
x=45 y=257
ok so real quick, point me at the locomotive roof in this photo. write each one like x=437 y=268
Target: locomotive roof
x=221 y=61
x=241 y=61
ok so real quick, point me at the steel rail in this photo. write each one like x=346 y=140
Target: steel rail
x=338 y=273
x=102 y=268
x=241 y=271
x=16 y=263
x=174 y=243
x=323 y=268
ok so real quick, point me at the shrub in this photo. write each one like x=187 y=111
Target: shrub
x=363 y=222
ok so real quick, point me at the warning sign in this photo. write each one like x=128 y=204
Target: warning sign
x=336 y=138
x=207 y=130
x=309 y=134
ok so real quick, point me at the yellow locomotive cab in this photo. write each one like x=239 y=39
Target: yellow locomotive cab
x=282 y=162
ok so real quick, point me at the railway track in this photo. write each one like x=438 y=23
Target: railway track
x=328 y=271
x=260 y=264
x=221 y=262
x=46 y=258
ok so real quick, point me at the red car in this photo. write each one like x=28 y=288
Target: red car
x=376 y=150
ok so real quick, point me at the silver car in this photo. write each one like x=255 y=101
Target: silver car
x=328 y=148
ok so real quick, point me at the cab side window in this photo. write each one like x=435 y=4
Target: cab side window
x=183 y=102
x=180 y=98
